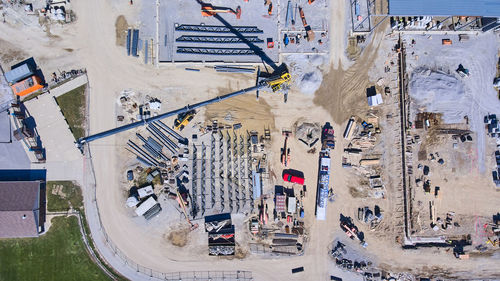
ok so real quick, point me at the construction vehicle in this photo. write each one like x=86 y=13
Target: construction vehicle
x=183 y=207
x=183 y=119
x=285 y=150
x=285 y=153
x=278 y=81
x=208 y=10
x=327 y=136
x=310 y=33
x=462 y=71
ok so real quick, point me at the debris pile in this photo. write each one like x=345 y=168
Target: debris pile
x=350 y=260
x=308 y=133
x=372 y=218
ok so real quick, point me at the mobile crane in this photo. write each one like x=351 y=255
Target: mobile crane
x=277 y=80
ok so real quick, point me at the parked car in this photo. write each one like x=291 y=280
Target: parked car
x=130 y=175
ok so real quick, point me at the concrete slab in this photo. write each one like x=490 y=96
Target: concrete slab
x=70 y=85
x=64 y=160
x=254 y=13
x=159 y=19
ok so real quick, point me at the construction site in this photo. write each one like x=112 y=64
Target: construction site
x=268 y=140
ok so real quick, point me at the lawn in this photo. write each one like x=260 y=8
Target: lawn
x=57 y=255
x=72 y=105
x=60 y=194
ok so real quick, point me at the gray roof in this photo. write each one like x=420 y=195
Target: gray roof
x=19 y=208
x=19 y=73
x=484 y=8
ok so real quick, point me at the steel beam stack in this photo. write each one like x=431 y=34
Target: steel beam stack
x=194 y=183
x=228 y=173
x=203 y=176
x=212 y=169
x=215 y=51
x=217 y=39
x=236 y=171
x=242 y=172
x=249 y=167
x=150 y=147
x=165 y=140
x=221 y=169
x=217 y=28
x=143 y=154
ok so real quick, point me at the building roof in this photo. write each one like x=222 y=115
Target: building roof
x=19 y=73
x=484 y=8
x=19 y=208
x=280 y=203
x=27 y=86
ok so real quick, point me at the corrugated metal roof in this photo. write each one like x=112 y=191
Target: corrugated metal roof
x=485 y=8
x=19 y=73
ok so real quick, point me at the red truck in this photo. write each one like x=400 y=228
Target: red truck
x=293 y=176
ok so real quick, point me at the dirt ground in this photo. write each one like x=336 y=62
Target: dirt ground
x=121 y=27
x=342 y=93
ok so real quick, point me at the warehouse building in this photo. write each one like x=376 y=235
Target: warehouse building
x=427 y=15
x=22 y=208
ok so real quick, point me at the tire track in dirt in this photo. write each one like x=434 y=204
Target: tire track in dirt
x=342 y=92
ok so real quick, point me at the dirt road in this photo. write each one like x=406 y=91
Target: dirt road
x=92 y=40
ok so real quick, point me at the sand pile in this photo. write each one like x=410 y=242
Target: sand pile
x=440 y=92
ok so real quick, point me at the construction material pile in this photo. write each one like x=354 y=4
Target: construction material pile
x=308 y=133
x=440 y=92
x=306 y=72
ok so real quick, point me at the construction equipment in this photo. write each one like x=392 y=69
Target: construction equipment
x=183 y=207
x=278 y=80
x=285 y=150
x=462 y=71
x=209 y=10
x=327 y=136
x=183 y=119
x=310 y=33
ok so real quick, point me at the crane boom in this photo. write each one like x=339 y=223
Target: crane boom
x=100 y=135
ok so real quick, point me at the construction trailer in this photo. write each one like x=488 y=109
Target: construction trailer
x=221 y=237
x=222 y=242
x=19 y=73
x=27 y=86
x=215 y=222
x=148 y=208
x=323 y=183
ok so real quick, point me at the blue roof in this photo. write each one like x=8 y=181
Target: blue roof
x=484 y=8
x=19 y=73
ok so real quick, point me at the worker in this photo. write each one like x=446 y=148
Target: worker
x=270 y=10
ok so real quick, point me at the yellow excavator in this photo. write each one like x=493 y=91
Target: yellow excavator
x=183 y=119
